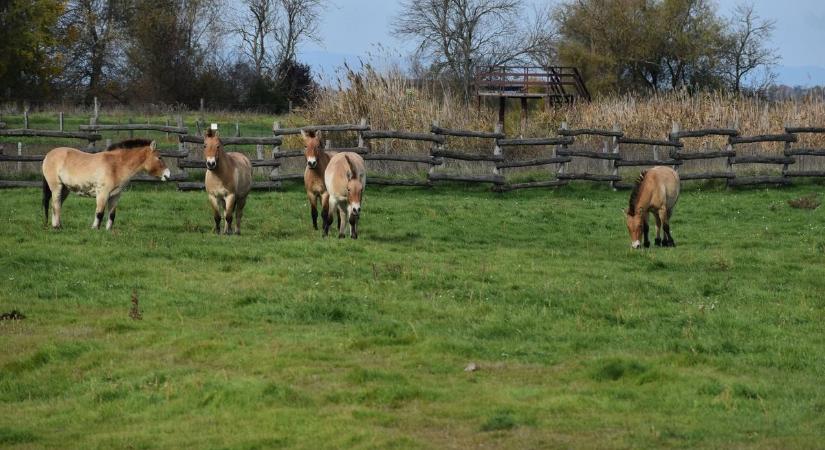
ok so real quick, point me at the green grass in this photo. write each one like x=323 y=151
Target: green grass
x=279 y=338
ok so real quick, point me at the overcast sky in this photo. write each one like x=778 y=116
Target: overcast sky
x=353 y=28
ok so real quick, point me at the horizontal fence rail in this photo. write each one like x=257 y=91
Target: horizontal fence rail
x=496 y=159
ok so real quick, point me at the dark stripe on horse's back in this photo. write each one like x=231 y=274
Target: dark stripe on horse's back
x=634 y=196
x=129 y=144
x=351 y=167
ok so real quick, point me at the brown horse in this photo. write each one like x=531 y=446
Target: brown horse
x=317 y=161
x=656 y=191
x=102 y=175
x=228 y=181
x=345 y=178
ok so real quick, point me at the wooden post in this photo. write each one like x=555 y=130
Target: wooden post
x=361 y=143
x=502 y=106
x=729 y=147
x=201 y=109
x=60 y=120
x=237 y=129
x=435 y=146
x=561 y=147
x=275 y=148
x=19 y=153
x=785 y=153
x=616 y=127
x=523 y=116
x=497 y=150
x=167 y=124
x=97 y=109
x=26 y=118
x=673 y=130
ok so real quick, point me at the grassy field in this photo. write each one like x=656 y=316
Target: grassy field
x=279 y=338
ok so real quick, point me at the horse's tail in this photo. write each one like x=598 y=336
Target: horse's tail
x=47 y=197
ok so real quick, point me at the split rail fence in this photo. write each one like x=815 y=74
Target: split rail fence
x=499 y=155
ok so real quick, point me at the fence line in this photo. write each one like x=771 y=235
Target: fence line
x=668 y=152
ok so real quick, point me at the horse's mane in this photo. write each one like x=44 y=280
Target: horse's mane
x=351 y=167
x=634 y=196
x=129 y=144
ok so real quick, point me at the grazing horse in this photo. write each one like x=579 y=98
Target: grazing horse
x=656 y=191
x=228 y=181
x=102 y=175
x=345 y=178
x=317 y=161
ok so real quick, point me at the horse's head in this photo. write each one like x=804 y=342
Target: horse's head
x=312 y=141
x=635 y=225
x=154 y=164
x=212 y=148
x=354 y=191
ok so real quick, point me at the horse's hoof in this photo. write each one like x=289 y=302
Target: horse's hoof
x=658 y=243
x=341 y=236
x=647 y=244
x=354 y=236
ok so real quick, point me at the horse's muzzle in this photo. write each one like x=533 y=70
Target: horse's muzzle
x=312 y=164
x=211 y=164
x=635 y=244
x=166 y=174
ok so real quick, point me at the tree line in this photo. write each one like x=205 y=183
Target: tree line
x=238 y=53
x=243 y=53
x=620 y=46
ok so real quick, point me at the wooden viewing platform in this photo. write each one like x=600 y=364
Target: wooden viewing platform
x=556 y=85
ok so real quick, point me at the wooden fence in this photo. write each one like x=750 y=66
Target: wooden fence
x=498 y=153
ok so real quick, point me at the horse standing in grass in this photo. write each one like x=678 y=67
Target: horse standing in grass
x=317 y=161
x=228 y=182
x=102 y=175
x=345 y=178
x=656 y=191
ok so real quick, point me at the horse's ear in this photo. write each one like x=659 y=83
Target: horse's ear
x=210 y=132
x=304 y=134
x=154 y=145
x=318 y=136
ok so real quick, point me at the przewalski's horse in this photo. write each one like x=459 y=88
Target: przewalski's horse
x=102 y=175
x=656 y=191
x=317 y=161
x=228 y=181
x=345 y=178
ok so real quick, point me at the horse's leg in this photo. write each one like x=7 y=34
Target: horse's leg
x=228 y=213
x=658 y=241
x=216 y=210
x=59 y=194
x=325 y=214
x=342 y=224
x=353 y=226
x=112 y=207
x=332 y=208
x=313 y=200
x=645 y=229
x=100 y=207
x=239 y=205
x=670 y=241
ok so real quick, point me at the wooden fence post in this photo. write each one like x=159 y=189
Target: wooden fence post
x=437 y=146
x=360 y=134
x=787 y=148
x=60 y=120
x=497 y=150
x=26 y=118
x=729 y=161
x=275 y=149
x=674 y=129
x=562 y=147
x=615 y=139
x=237 y=129
x=19 y=153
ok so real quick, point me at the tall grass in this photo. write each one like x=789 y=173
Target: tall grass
x=390 y=100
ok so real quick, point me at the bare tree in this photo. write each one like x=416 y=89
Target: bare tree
x=255 y=28
x=746 y=50
x=272 y=30
x=92 y=31
x=458 y=36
